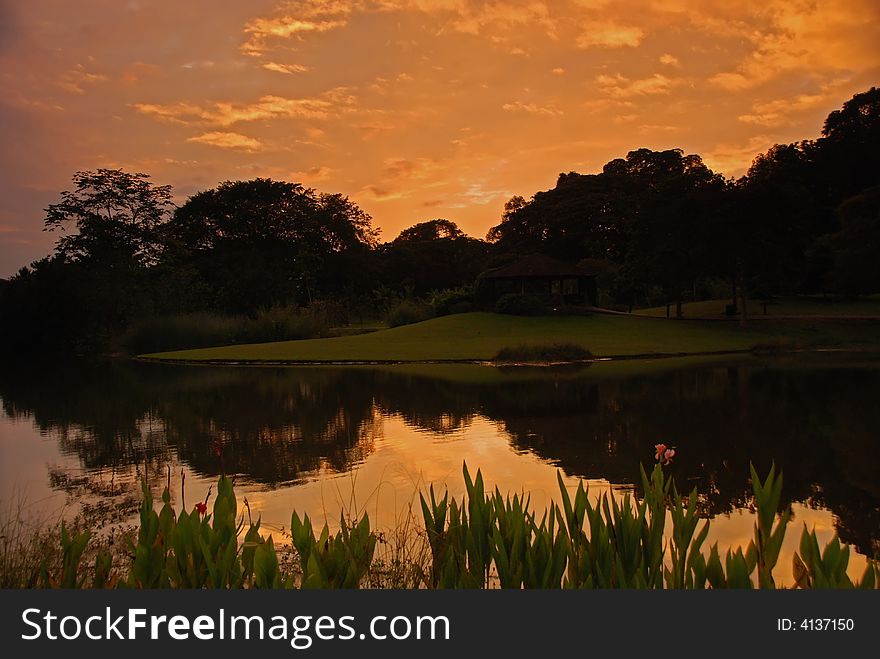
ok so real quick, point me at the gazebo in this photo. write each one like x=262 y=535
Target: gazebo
x=543 y=277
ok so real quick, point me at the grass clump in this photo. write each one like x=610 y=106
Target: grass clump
x=543 y=354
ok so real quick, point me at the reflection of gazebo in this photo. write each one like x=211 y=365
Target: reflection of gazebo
x=543 y=277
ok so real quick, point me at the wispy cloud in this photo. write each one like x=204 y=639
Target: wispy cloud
x=532 y=108
x=734 y=158
x=313 y=174
x=610 y=35
x=618 y=86
x=266 y=107
x=78 y=78
x=225 y=140
x=263 y=30
x=381 y=193
x=780 y=111
x=285 y=68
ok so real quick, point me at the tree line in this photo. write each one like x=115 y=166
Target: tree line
x=659 y=226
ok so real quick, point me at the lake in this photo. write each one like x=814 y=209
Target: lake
x=328 y=440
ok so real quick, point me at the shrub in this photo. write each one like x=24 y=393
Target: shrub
x=517 y=304
x=196 y=330
x=285 y=324
x=456 y=300
x=407 y=312
x=202 y=330
x=554 y=352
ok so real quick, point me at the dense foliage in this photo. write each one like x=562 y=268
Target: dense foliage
x=663 y=224
x=660 y=226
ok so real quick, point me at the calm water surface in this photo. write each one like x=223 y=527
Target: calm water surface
x=326 y=440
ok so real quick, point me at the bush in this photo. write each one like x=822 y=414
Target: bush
x=554 y=352
x=196 y=330
x=285 y=324
x=517 y=304
x=407 y=312
x=456 y=300
x=203 y=330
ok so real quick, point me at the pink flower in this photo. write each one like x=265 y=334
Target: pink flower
x=660 y=450
x=201 y=508
x=668 y=454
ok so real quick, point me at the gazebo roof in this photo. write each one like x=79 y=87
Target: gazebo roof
x=539 y=265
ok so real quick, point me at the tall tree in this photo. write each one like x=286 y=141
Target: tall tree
x=98 y=278
x=263 y=242
x=117 y=216
x=856 y=246
x=432 y=256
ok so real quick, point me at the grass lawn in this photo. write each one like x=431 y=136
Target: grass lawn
x=479 y=336
x=796 y=306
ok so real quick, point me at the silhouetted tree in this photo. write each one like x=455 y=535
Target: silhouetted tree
x=262 y=242
x=856 y=246
x=432 y=256
x=77 y=299
x=117 y=216
x=848 y=153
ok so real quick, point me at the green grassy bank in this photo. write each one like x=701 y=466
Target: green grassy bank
x=790 y=306
x=480 y=336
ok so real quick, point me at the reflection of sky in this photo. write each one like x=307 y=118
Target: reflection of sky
x=386 y=484
x=25 y=456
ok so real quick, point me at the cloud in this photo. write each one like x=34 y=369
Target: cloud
x=478 y=17
x=178 y=113
x=223 y=140
x=285 y=68
x=381 y=193
x=135 y=72
x=621 y=87
x=610 y=35
x=805 y=37
x=650 y=129
x=409 y=169
x=263 y=30
x=75 y=80
x=532 y=108
x=225 y=114
x=477 y=194
x=669 y=60
x=313 y=174
x=779 y=111
x=734 y=159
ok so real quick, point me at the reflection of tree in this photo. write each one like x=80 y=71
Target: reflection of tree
x=278 y=426
x=270 y=426
x=817 y=425
x=99 y=411
x=275 y=426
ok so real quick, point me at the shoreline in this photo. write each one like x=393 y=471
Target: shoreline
x=489 y=362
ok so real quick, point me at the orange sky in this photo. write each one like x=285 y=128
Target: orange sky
x=416 y=109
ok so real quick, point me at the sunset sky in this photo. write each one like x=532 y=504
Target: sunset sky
x=416 y=109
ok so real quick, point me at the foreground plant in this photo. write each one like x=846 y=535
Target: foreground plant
x=485 y=540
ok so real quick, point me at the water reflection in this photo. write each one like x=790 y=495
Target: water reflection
x=816 y=417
